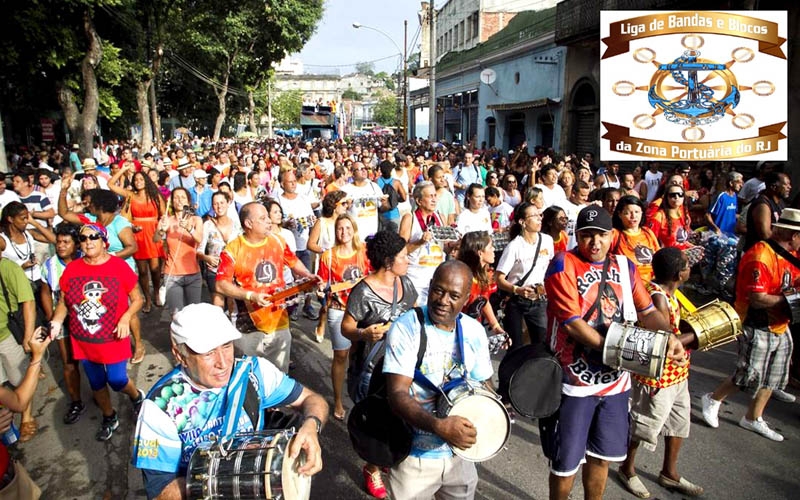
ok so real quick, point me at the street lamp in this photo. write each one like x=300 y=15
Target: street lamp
x=404 y=54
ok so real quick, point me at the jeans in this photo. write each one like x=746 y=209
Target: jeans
x=534 y=313
x=182 y=291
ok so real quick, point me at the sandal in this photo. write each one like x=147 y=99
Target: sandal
x=340 y=416
x=138 y=355
x=147 y=308
x=27 y=430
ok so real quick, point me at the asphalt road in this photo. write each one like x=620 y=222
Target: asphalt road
x=729 y=462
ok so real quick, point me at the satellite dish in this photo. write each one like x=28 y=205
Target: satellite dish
x=488 y=76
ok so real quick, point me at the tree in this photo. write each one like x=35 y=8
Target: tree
x=365 y=68
x=235 y=43
x=351 y=94
x=387 y=80
x=385 y=111
x=286 y=107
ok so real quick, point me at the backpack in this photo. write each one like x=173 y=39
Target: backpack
x=387 y=188
x=379 y=436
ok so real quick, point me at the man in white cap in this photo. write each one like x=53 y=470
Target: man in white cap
x=203 y=397
x=201 y=193
x=767 y=270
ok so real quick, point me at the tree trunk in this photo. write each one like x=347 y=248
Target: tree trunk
x=81 y=124
x=144 y=115
x=221 y=95
x=251 y=112
x=153 y=98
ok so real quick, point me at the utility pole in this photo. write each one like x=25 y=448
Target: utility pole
x=405 y=80
x=432 y=74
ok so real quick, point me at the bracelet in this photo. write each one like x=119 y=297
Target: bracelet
x=248 y=297
x=316 y=420
x=514 y=290
x=32 y=363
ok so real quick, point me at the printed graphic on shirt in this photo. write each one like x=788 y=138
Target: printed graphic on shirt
x=644 y=255
x=265 y=272
x=94 y=303
x=91 y=309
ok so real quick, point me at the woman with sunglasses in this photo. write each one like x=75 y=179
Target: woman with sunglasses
x=322 y=237
x=181 y=231
x=511 y=194
x=99 y=296
x=345 y=261
x=671 y=222
x=219 y=229
x=631 y=238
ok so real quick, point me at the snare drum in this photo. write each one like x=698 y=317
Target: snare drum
x=483 y=408
x=635 y=349
x=793 y=300
x=714 y=324
x=248 y=466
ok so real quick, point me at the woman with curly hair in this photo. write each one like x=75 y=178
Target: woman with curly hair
x=671 y=223
x=146 y=206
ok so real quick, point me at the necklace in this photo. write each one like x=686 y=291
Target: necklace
x=23 y=256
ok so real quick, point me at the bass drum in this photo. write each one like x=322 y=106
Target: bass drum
x=253 y=465
x=530 y=379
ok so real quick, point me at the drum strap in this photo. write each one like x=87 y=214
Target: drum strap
x=535 y=258
x=628 y=309
x=784 y=253
x=235 y=395
x=419 y=377
x=600 y=290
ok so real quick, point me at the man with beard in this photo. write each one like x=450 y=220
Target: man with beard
x=431 y=469
x=591 y=426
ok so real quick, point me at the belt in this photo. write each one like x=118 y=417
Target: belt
x=146 y=219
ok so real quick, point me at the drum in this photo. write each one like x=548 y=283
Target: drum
x=635 y=349
x=714 y=324
x=248 y=466
x=530 y=379
x=484 y=409
x=793 y=300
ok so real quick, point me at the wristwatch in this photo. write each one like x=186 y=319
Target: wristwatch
x=316 y=420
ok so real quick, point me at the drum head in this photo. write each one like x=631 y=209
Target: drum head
x=535 y=388
x=490 y=419
x=295 y=486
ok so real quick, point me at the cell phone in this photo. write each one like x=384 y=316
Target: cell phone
x=496 y=342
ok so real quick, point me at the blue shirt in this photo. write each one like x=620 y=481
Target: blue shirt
x=114 y=243
x=441 y=355
x=724 y=212
x=395 y=212
x=203 y=204
x=466 y=175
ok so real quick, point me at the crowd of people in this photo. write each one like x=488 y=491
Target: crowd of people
x=523 y=247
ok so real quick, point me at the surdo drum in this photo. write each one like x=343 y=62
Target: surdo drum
x=635 y=349
x=248 y=466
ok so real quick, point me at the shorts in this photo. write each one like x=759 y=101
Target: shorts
x=451 y=478
x=763 y=359
x=596 y=426
x=13 y=361
x=275 y=347
x=654 y=411
x=339 y=341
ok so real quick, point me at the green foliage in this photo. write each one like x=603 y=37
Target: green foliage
x=286 y=107
x=365 y=68
x=351 y=95
x=387 y=80
x=386 y=111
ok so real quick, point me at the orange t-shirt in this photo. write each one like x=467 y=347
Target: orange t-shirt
x=761 y=270
x=182 y=255
x=259 y=268
x=335 y=268
x=560 y=245
x=639 y=248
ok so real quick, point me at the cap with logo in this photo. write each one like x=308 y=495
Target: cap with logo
x=593 y=217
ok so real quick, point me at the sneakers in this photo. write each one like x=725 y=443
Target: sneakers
x=310 y=313
x=710 y=410
x=373 y=482
x=107 y=428
x=760 y=427
x=784 y=396
x=294 y=315
x=137 y=403
x=76 y=409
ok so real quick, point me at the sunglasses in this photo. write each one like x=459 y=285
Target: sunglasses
x=93 y=237
x=676 y=195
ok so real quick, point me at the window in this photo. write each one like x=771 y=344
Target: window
x=456 y=37
x=516 y=78
x=475 y=21
x=463 y=39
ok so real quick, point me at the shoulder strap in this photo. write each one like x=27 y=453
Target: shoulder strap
x=535 y=258
x=628 y=309
x=777 y=248
x=235 y=395
x=5 y=291
x=600 y=290
x=419 y=377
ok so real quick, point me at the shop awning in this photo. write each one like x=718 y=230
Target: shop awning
x=515 y=106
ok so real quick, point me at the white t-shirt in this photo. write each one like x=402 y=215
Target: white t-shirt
x=7 y=197
x=298 y=209
x=469 y=221
x=502 y=214
x=518 y=258
x=572 y=211
x=652 y=180
x=364 y=208
x=423 y=261
x=552 y=196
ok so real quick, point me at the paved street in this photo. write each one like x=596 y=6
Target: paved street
x=729 y=462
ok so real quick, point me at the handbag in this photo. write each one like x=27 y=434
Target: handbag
x=379 y=436
x=16 y=321
x=500 y=298
x=21 y=487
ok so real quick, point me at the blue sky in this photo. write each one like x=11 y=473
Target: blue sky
x=336 y=42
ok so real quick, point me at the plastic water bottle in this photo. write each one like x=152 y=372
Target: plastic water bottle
x=10 y=436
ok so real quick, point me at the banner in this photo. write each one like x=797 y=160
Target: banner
x=693 y=85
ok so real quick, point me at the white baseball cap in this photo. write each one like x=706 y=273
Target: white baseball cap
x=203 y=327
